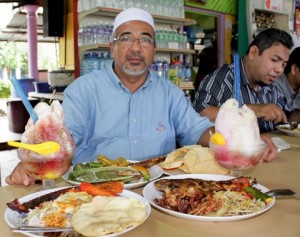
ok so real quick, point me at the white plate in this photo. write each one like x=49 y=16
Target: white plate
x=286 y=129
x=14 y=219
x=150 y=193
x=155 y=173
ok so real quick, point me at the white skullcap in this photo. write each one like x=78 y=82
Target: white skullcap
x=133 y=14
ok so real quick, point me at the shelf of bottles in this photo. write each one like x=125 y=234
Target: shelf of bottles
x=159 y=8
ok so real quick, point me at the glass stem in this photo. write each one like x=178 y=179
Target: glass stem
x=235 y=173
x=48 y=183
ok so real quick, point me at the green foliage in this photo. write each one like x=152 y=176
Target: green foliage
x=4 y=89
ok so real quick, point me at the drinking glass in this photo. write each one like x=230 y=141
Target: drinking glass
x=237 y=158
x=47 y=167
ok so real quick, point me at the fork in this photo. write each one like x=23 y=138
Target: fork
x=40 y=229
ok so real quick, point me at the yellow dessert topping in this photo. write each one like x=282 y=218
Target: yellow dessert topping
x=217 y=138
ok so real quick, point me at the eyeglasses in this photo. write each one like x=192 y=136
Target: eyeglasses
x=129 y=40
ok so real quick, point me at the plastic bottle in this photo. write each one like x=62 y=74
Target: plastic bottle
x=165 y=66
x=153 y=67
x=188 y=96
x=94 y=33
x=94 y=62
x=108 y=59
x=100 y=33
x=159 y=67
x=101 y=61
x=188 y=72
x=84 y=64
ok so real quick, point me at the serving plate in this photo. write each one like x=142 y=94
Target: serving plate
x=14 y=219
x=155 y=173
x=286 y=129
x=150 y=193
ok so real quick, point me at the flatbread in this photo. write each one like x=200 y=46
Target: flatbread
x=175 y=159
x=193 y=159
x=200 y=160
x=105 y=215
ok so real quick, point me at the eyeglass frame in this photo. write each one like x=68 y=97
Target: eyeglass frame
x=132 y=40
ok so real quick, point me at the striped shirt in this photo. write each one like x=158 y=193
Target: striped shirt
x=292 y=98
x=217 y=87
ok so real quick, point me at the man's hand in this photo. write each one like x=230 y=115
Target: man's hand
x=19 y=176
x=269 y=112
x=271 y=151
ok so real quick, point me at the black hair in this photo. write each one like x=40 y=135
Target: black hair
x=269 y=37
x=293 y=59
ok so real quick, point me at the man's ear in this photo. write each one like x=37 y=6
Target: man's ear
x=253 y=51
x=294 y=69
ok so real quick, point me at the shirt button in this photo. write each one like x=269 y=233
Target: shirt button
x=134 y=120
x=135 y=141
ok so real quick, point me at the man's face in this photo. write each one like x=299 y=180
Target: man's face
x=268 y=66
x=133 y=57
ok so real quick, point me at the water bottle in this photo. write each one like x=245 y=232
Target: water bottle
x=94 y=62
x=188 y=96
x=87 y=35
x=80 y=37
x=84 y=65
x=165 y=65
x=100 y=33
x=153 y=67
x=101 y=61
x=94 y=33
x=108 y=59
x=159 y=68
x=188 y=72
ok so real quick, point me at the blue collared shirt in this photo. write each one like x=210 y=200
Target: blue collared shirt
x=104 y=117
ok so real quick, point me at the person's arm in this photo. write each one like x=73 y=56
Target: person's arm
x=210 y=112
x=19 y=176
x=204 y=138
x=269 y=112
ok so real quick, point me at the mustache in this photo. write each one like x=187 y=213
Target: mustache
x=135 y=55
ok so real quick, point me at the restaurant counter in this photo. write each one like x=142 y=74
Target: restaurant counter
x=281 y=220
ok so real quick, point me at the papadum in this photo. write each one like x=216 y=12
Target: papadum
x=105 y=215
x=193 y=159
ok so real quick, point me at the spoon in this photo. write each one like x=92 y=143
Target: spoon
x=282 y=193
x=42 y=148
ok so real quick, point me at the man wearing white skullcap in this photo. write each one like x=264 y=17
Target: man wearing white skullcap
x=125 y=110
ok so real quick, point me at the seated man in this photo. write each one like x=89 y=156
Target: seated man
x=289 y=83
x=264 y=62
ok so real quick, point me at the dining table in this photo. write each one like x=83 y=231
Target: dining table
x=280 y=220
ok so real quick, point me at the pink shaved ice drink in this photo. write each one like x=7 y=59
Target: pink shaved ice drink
x=49 y=127
x=243 y=146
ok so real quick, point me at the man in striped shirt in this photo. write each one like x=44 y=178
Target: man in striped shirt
x=262 y=65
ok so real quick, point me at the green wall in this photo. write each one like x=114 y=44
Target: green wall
x=224 y=6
